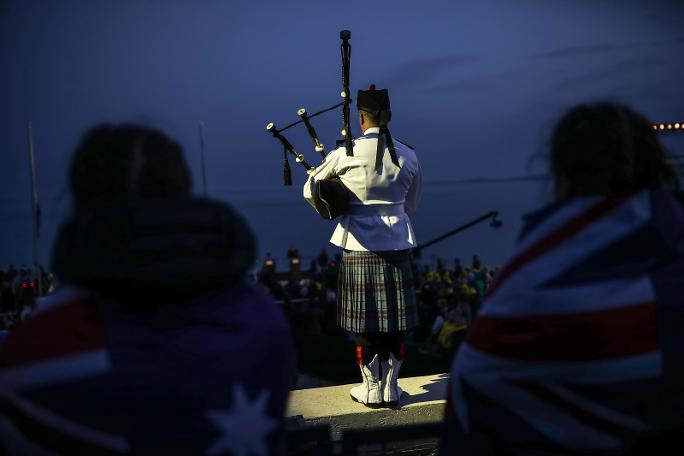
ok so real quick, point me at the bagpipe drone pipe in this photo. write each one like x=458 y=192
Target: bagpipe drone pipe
x=305 y=119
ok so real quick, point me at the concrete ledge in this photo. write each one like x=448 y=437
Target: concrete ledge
x=423 y=402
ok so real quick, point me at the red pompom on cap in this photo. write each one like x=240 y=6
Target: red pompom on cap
x=371 y=87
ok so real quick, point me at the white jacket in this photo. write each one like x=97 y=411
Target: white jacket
x=381 y=198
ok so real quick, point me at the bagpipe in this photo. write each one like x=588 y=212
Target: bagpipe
x=305 y=118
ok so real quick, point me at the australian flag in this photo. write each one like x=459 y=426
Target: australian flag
x=578 y=346
x=85 y=375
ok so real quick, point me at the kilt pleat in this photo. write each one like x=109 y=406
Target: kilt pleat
x=375 y=292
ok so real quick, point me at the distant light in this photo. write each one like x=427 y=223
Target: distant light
x=343 y=132
x=670 y=127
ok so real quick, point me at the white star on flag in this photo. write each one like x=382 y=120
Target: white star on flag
x=244 y=427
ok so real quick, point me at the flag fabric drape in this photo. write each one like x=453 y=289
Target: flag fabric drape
x=576 y=347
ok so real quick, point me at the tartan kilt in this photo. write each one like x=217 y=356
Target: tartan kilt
x=375 y=292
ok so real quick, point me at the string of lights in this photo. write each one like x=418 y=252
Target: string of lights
x=675 y=127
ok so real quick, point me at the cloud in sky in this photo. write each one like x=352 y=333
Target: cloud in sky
x=576 y=51
x=614 y=71
x=474 y=84
x=420 y=71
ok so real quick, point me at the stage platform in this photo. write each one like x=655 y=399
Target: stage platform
x=423 y=402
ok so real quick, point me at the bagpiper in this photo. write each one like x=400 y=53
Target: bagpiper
x=375 y=188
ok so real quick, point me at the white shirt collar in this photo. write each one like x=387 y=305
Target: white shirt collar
x=371 y=130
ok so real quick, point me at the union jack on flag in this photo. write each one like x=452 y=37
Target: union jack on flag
x=578 y=346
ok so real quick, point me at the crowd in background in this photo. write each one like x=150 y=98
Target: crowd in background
x=19 y=290
x=448 y=297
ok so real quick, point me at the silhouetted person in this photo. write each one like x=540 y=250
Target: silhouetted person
x=269 y=264
x=24 y=287
x=155 y=343
x=577 y=348
x=476 y=263
x=322 y=259
x=293 y=253
x=458 y=268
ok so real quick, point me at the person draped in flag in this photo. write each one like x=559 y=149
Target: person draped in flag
x=154 y=343
x=577 y=347
x=376 y=296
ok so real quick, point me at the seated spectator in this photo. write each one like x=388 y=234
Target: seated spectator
x=479 y=282
x=447 y=325
x=464 y=310
x=451 y=332
x=577 y=348
x=439 y=319
x=487 y=277
x=154 y=343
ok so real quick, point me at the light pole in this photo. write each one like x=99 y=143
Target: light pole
x=34 y=209
x=200 y=124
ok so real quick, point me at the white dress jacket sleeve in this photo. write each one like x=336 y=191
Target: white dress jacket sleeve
x=325 y=170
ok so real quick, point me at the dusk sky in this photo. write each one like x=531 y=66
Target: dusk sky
x=475 y=88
